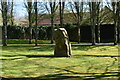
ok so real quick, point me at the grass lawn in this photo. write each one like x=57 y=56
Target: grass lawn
x=35 y=63
x=26 y=41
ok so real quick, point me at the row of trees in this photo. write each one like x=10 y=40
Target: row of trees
x=7 y=12
x=94 y=13
x=77 y=8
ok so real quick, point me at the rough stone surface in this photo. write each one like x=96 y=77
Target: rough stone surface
x=63 y=46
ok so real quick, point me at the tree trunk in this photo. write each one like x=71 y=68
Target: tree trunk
x=30 y=29
x=78 y=34
x=93 y=23
x=60 y=9
x=98 y=28
x=115 y=22
x=36 y=31
x=93 y=35
x=12 y=19
x=52 y=22
x=78 y=19
x=115 y=34
x=98 y=33
x=98 y=22
x=30 y=23
x=52 y=6
x=62 y=4
x=78 y=25
x=119 y=20
x=4 y=16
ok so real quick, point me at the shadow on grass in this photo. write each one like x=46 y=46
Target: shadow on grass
x=45 y=48
x=35 y=56
x=11 y=59
x=63 y=76
x=32 y=56
x=9 y=55
x=96 y=56
x=71 y=75
x=52 y=56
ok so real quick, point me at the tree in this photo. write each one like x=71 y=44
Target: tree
x=4 y=17
x=61 y=9
x=29 y=7
x=118 y=19
x=116 y=15
x=10 y=12
x=97 y=19
x=118 y=7
x=51 y=8
x=92 y=6
x=115 y=10
x=77 y=10
x=36 y=13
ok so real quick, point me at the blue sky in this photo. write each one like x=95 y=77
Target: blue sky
x=19 y=10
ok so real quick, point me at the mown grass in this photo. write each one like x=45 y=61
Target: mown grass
x=34 y=63
x=26 y=41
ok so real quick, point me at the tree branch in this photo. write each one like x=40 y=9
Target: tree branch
x=72 y=10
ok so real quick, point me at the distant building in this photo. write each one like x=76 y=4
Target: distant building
x=105 y=17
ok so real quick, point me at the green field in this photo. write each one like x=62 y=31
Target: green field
x=26 y=41
x=34 y=63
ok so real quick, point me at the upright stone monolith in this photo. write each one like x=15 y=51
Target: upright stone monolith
x=62 y=44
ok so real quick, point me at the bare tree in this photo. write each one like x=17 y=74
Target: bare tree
x=92 y=6
x=116 y=15
x=98 y=20
x=29 y=7
x=36 y=15
x=61 y=9
x=4 y=17
x=118 y=19
x=51 y=8
x=77 y=10
x=11 y=12
x=118 y=7
x=115 y=10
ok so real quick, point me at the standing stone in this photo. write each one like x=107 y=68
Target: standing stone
x=62 y=44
